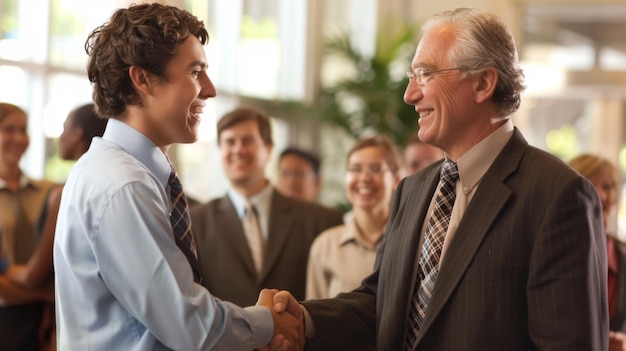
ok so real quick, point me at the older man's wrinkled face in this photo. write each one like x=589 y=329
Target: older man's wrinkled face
x=443 y=100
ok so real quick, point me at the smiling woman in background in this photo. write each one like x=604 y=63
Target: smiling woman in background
x=21 y=201
x=80 y=127
x=606 y=178
x=342 y=256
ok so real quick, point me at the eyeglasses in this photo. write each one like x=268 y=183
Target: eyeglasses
x=422 y=75
x=374 y=170
x=299 y=174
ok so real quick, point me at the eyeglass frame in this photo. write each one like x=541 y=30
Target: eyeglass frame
x=371 y=171
x=299 y=174
x=422 y=75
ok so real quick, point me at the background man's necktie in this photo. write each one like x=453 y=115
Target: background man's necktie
x=252 y=230
x=431 y=250
x=181 y=221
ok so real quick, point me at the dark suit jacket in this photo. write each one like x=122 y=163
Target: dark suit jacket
x=526 y=269
x=225 y=258
x=618 y=321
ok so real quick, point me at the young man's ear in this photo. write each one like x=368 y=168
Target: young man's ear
x=486 y=84
x=140 y=79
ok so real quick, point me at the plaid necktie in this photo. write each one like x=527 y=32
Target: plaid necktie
x=181 y=221
x=431 y=250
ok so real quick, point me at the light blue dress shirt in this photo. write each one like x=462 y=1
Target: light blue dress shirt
x=121 y=281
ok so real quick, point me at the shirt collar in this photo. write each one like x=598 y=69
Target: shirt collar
x=261 y=200
x=140 y=147
x=352 y=234
x=475 y=162
x=24 y=182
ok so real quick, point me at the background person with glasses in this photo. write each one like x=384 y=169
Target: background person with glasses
x=342 y=256
x=299 y=174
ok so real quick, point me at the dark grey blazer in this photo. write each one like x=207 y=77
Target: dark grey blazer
x=225 y=259
x=526 y=269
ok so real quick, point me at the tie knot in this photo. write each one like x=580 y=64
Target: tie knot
x=173 y=179
x=449 y=171
x=250 y=208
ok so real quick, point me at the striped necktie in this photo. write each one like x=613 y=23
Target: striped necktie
x=181 y=222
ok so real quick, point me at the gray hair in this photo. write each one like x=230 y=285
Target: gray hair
x=483 y=40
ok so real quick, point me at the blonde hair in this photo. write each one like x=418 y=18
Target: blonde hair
x=589 y=165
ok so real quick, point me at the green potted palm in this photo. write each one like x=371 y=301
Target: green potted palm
x=369 y=98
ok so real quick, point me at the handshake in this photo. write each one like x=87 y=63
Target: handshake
x=288 y=320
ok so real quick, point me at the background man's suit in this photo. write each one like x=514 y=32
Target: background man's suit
x=526 y=269
x=225 y=259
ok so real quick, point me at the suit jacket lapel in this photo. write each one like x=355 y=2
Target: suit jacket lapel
x=398 y=268
x=278 y=232
x=490 y=197
x=411 y=221
x=231 y=228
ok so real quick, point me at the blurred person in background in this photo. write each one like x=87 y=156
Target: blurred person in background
x=254 y=237
x=80 y=126
x=606 y=177
x=22 y=199
x=342 y=256
x=418 y=155
x=299 y=174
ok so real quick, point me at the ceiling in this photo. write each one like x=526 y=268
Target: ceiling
x=597 y=25
x=571 y=24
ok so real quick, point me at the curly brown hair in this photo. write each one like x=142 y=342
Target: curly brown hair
x=145 y=36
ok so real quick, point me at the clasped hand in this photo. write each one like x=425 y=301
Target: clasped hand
x=287 y=315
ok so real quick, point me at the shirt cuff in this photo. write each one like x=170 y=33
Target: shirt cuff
x=309 y=330
x=262 y=323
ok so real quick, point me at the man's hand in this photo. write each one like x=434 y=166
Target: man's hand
x=617 y=341
x=288 y=326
